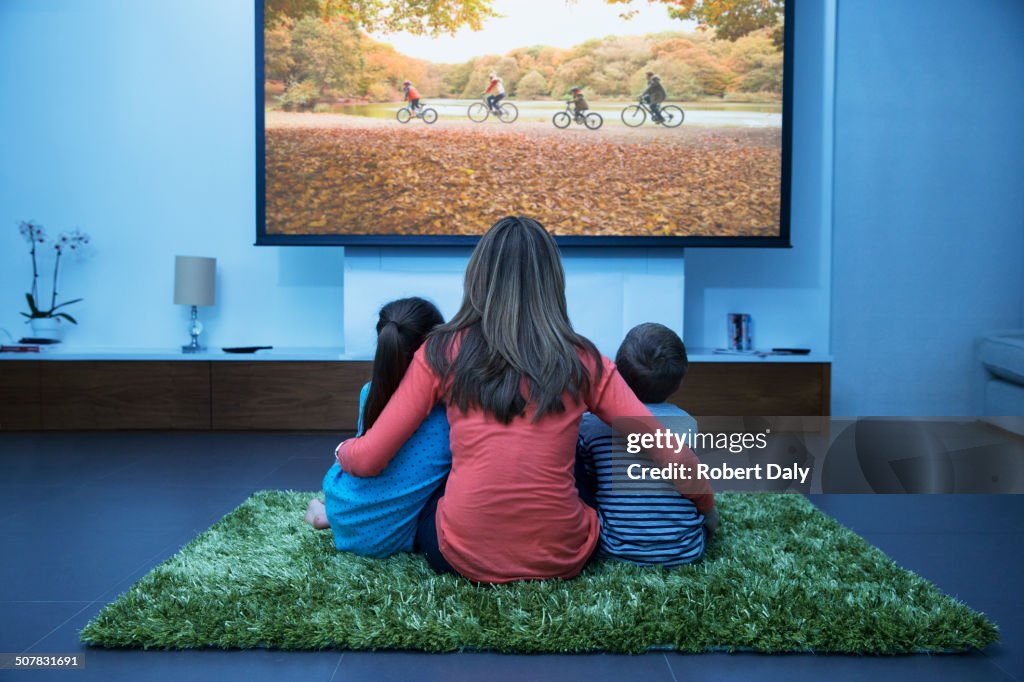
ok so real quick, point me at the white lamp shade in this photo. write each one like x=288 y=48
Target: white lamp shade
x=194 y=280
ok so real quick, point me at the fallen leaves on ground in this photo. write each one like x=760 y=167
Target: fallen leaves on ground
x=432 y=181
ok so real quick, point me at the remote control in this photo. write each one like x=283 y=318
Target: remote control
x=245 y=349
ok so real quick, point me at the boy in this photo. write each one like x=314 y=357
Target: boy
x=654 y=95
x=412 y=96
x=579 y=103
x=655 y=525
x=495 y=91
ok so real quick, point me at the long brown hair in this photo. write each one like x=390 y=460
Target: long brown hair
x=401 y=328
x=513 y=326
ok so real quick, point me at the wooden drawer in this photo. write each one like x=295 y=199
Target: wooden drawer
x=726 y=389
x=287 y=395
x=20 y=406
x=124 y=395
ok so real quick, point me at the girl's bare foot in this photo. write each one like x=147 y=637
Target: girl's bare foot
x=316 y=515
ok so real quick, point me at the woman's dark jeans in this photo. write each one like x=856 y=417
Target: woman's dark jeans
x=426 y=533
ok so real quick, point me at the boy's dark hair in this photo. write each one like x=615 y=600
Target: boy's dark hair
x=401 y=329
x=652 y=359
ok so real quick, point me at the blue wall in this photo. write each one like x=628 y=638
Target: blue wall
x=929 y=198
x=135 y=121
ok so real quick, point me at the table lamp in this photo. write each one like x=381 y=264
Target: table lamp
x=194 y=285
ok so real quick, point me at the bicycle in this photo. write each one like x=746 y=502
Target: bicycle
x=479 y=112
x=405 y=114
x=562 y=119
x=669 y=115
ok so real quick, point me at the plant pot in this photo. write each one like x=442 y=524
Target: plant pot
x=52 y=328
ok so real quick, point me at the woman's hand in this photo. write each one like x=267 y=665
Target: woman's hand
x=337 y=451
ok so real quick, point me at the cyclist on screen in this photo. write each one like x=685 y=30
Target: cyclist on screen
x=412 y=95
x=654 y=95
x=495 y=91
x=579 y=103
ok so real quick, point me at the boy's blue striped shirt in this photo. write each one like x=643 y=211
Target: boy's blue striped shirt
x=647 y=523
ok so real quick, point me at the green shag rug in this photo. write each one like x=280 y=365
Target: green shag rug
x=780 y=576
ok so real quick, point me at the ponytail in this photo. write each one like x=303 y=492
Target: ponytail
x=401 y=329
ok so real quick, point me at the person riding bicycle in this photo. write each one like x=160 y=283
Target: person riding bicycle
x=654 y=95
x=495 y=92
x=579 y=103
x=412 y=96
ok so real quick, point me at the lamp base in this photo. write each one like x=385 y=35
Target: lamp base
x=195 y=331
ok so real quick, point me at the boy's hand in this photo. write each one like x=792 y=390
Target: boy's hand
x=711 y=521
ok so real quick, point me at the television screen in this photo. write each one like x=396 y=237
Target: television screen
x=610 y=121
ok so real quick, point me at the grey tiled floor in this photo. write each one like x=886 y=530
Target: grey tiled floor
x=82 y=516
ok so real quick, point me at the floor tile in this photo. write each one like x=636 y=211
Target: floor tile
x=798 y=667
x=384 y=666
x=973 y=568
x=63 y=459
x=27 y=498
x=114 y=665
x=299 y=473
x=24 y=623
x=77 y=567
x=197 y=470
x=196 y=664
x=925 y=513
x=103 y=509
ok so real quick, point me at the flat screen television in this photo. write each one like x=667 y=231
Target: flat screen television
x=613 y=122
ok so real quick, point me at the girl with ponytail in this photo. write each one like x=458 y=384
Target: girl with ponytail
x=377 y=516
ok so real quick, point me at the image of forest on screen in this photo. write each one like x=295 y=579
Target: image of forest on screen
x=597 y=117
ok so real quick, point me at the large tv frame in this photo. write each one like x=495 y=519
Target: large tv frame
x=782 y=240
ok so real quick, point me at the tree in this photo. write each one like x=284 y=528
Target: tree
x=277 y=11
x=420 y=17
x=532 y=85
x=328 y=54
x=301 y=95
x=575 y=72
x=383 y=64
x=767 y=78
x=714 y=78
x=731 y=19
x=757 y=62
x=278 y=63
x=456 y=78
x=615 y=59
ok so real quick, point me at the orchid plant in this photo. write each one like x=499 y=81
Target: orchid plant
x=63 y=244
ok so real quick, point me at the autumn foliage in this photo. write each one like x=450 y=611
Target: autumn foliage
x=334 y=60
x=366 y=178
